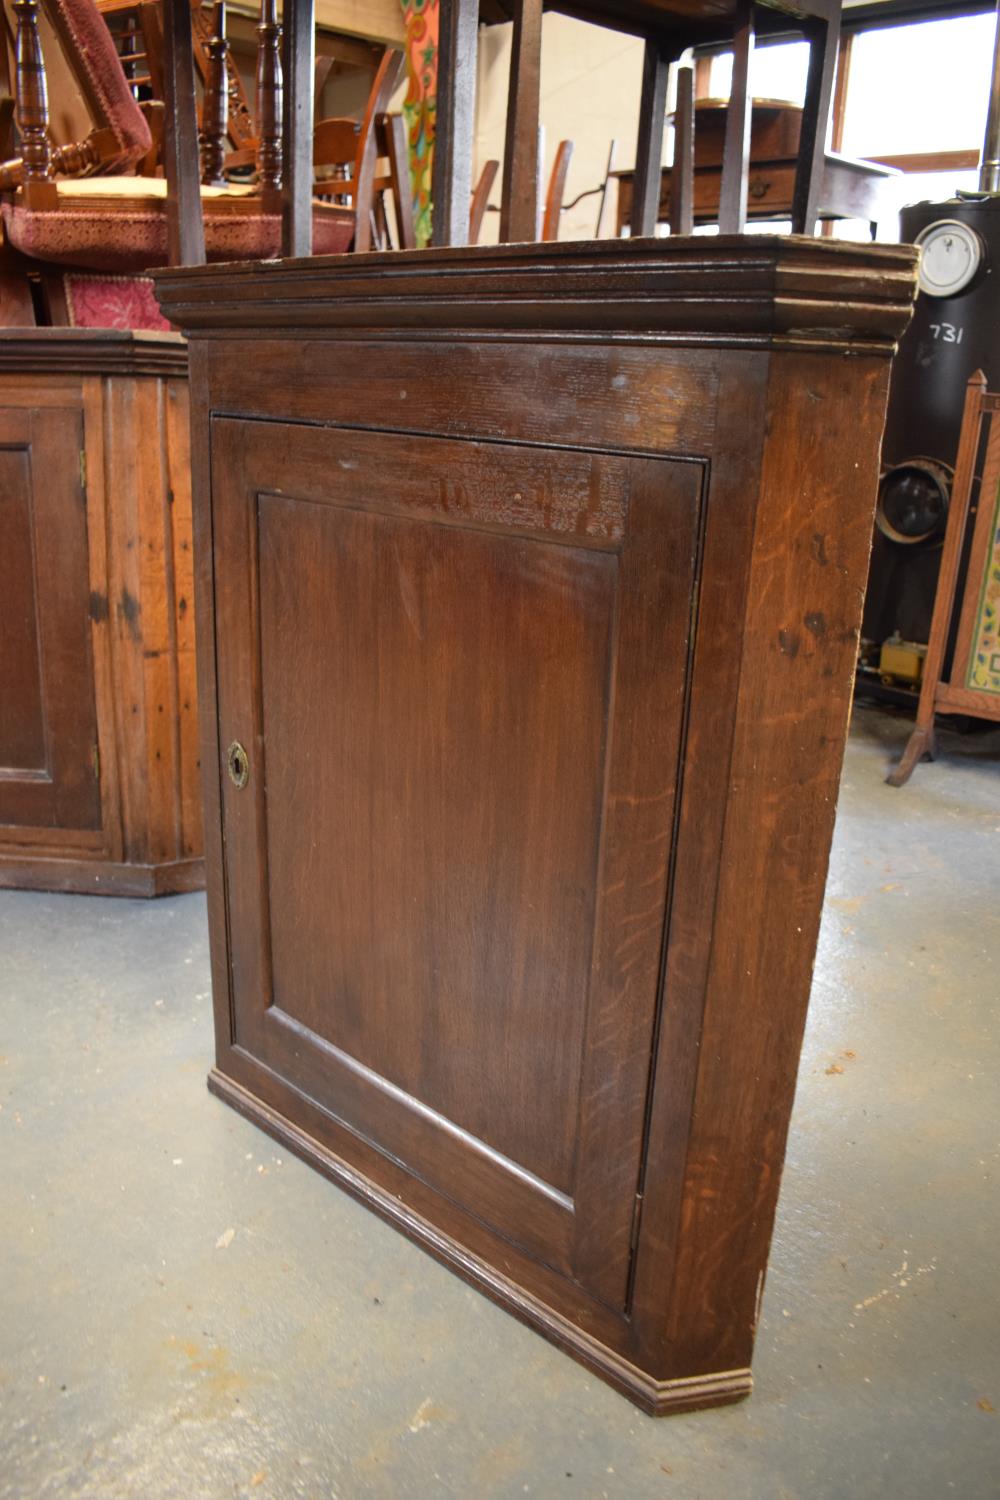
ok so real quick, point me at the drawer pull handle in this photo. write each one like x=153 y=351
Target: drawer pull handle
x=238 y=764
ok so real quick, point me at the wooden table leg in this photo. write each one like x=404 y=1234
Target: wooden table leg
x=649 y=146
x=736 y=152
x=454 y=128
x=519 y=194
x=300 y=72
x=682 y=174
x=185 y=229
x=823 y=36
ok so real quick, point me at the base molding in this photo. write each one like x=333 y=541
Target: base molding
x=656 y=1397
x=99 y=877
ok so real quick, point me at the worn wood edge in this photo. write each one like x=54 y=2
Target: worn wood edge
x=92 y=351
x=656 y=1397
x=730 y=290
x=97 y=877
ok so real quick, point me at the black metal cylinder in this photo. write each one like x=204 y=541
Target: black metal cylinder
x=948 y=339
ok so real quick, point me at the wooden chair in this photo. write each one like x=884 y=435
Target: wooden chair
x=114 y=223
x=362 y=162
x=972 y=684
x=557 y=191
x=119 y=135
x=670 y=27
x=553 y=198
x=481 y=199
x=136 y=28
x=342 y=148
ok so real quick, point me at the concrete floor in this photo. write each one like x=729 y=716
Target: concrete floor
x=186 y=1312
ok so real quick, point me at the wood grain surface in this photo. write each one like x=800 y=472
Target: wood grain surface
x=539 y=645
x=99 y=748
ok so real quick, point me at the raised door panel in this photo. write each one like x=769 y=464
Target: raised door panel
x=447 y=872
x=48 y=733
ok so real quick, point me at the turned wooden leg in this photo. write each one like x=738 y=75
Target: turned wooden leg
x=270 y=107
x=33 y=109
x=920 y=746
x=215 y=103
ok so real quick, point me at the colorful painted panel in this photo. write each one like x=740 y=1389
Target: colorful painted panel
x=984 y=665
x=419 y=107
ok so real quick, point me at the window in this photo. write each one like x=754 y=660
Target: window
x=919 y=89
x=776 y=72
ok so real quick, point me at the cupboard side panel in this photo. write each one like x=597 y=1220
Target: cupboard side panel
x=807 y=574
x=731 y=487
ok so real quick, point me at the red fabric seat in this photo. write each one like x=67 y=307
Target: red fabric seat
x=120 y=224
x=115 y=223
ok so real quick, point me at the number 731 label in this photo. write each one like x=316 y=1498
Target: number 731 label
x=947 y=333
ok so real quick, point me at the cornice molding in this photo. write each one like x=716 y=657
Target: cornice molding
x=92 y=351
x=740 y=291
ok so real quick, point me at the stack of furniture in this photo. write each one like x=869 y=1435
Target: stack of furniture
x=848 y=189
x=75 y=208
x=515 y=880
x=99 y=786
x=669 y=28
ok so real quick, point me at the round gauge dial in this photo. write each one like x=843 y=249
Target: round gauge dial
x=950 y=255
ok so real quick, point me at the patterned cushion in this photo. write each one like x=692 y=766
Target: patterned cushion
x=122 y=234
x=112 y=302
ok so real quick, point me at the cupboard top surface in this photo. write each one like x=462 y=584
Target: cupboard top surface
x=729 y=290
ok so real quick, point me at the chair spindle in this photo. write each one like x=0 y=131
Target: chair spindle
x=33 y=109
x=215 y=105
x=269 y=106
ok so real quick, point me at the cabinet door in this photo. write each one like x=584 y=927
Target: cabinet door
x=48 y=732
x=458 y=670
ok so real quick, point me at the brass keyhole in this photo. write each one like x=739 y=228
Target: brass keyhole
x=239 y=764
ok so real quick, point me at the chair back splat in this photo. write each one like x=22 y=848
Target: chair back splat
x=352 y=152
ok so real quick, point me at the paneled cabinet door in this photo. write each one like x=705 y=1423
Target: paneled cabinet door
x=48 y=727
x=451 y=689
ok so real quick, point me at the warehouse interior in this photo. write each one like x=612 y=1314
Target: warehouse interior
x=500 y=679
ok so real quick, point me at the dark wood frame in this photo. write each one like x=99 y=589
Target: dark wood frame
x=951 y=694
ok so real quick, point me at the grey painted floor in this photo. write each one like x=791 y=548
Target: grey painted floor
x=186 y=1312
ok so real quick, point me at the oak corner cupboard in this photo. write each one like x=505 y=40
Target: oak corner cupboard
x=529 y=582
